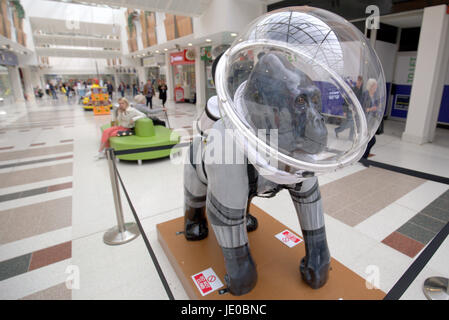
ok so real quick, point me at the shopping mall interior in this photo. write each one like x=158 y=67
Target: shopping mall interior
x=78 y=223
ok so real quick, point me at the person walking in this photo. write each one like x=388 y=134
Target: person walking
x=162 y=88
x=370 y=106
x=53 y=91
x=348 y=122
x=148 y=92
x=47 y=88
x=110 y=89
x=121 y=88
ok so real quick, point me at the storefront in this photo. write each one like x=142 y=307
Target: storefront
x=183 y=71
x=5 y=85
x=155 y=69
x=10 y=76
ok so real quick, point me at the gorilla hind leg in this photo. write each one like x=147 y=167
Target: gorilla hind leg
x=195 y=221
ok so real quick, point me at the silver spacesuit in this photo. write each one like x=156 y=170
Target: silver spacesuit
x=268 y=130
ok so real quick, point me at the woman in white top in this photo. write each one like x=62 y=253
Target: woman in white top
x=125 y=119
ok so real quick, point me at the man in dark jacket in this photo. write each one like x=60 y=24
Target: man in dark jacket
x=110 y=89
x=148 y=92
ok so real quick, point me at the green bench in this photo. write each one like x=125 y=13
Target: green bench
x=146 y=135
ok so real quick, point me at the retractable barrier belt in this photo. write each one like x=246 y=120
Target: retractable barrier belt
x=418 y=174
x=145 y=239
x=149 y=149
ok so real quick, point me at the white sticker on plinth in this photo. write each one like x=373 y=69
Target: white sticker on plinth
x=289 y=238
x=207 y=281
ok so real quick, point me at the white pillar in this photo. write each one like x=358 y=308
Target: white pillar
x=36 y=79
x=16 y=84
x=170 y=84
x=28 y=84
x=141 y=74
x=200 y=81
x=428 y=82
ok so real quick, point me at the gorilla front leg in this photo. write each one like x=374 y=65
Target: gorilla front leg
x=315 y=265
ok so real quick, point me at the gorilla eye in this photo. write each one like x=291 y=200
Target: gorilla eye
x=300 y=100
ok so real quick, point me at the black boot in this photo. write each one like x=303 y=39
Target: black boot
x=315 y=265
x=195 y=223
x=251 y=222
x=241 y=274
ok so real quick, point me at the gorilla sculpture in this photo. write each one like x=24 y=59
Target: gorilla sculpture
x=274 y=85
x=225 y=191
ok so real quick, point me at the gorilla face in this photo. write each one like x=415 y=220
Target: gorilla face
x=280 y=96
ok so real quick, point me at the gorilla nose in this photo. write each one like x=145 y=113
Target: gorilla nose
x=315 y=133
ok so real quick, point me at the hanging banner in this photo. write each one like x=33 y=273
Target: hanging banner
x=8 y=58
x=206 y=53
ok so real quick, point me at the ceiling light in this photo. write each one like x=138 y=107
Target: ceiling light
x=157 y=51
x=208 y=40
x=165 y=49
x=189 y=44
x=233 y=34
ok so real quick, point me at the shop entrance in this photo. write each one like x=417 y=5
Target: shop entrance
x=184 y=83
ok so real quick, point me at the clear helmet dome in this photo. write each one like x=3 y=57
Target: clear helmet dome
x=290 y=80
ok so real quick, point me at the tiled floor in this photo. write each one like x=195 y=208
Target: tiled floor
x=56 y=204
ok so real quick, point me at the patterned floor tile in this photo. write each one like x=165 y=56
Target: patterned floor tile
x=13 y=267
x=50 y=255
x=416 y=232
x=403 y=244
x=58 y=292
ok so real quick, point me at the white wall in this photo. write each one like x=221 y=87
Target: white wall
x=59 y=10
x=403 y=69
x=386 y=52
x=229 y=15
x=61 y=65
x=160 y=27
x=82 y=13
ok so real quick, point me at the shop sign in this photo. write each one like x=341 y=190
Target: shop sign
x=149 y=62
x=183 y=57
x=179 y=94
x=8 y=58
x=402 y=102
x=411 y=69
x=206 y=53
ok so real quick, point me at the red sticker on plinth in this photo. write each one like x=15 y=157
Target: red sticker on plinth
x=289 y=238
x=207 y=281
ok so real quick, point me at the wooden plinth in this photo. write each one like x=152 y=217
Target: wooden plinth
x=277 y=265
